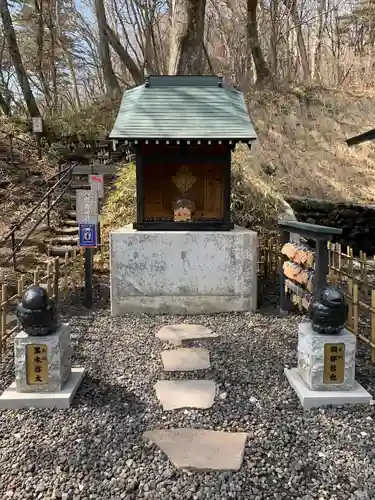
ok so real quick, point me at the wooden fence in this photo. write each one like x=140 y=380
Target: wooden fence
x=354 y=274
x=59 y=277
x=356 y=277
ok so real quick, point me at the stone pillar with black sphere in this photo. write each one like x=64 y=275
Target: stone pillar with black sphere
x=44 y=377
x=325 y=373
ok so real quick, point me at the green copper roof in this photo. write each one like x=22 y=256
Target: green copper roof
x=183 y=107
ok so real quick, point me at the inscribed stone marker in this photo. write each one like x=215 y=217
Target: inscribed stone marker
x=36 y=364
x=87 y=207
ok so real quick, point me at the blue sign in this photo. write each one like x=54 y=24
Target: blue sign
x=88 y=236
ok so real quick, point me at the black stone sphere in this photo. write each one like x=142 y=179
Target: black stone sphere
x=37 y=313
x=328 y=311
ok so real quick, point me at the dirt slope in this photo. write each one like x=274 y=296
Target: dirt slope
x=302 y=136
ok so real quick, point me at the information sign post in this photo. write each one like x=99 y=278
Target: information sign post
x=87 y=218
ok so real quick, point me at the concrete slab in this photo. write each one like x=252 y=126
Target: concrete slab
x=13 y=400
x=176 y=334
x=185 y=359
x=199 y=449
x=317 y=399
x=174 y=394
x=166 y=272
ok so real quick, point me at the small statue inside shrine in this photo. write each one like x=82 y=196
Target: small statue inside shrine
x=37 y=313
x=183 y=210
x=328 y=311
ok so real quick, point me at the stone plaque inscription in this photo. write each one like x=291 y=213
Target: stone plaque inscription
x=36 y=364
x=87 y=206
x=334 y=363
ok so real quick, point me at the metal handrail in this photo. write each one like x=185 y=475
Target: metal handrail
x=40 y=149
x=17 y=247
x=67 y=172
x=17 y=225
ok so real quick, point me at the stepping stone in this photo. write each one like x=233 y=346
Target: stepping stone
x=175 y=394
x=185 y=359
x=199 y=449
x=176 y=334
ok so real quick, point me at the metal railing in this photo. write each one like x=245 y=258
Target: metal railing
x=34 y=145
x=64 y=174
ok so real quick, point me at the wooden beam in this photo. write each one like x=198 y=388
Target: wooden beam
x=95 y=169
x=358 y=139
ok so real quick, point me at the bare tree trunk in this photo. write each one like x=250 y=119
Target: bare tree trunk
x=274 y=36
x=5 y=108
x=291 y=5
x=187 y=37
x=73 y=76
x=16 y=59
x=111 y=83
x=322 y=12
x=53 y=28
x=123 y=54
x=40 y=49
x=261 y=68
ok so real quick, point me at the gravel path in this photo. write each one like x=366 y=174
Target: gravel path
x=95 y=450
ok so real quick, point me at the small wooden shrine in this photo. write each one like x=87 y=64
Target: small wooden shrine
x=184 y=130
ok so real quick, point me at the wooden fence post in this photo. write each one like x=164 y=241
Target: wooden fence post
x=49 y=280
x=350 y=305
x=66 y=274
x=56 y=278
x=36 y=277
x=373 y=325
x=4 y=307
x=355 y=310
x=74 y=269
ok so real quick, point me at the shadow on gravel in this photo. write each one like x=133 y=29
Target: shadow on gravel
x=97 y=393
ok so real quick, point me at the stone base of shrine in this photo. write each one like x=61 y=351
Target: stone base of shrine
x=318 y=399
x=183 y=272
x=11 y=399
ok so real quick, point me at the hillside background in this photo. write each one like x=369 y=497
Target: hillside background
x=306 y=68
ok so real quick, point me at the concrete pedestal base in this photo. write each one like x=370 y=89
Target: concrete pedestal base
x=11 y=399
x=317 y=399
x=183 y=272
x=318 y=367
x=42 y=364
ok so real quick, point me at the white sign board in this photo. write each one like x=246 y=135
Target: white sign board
x=96 y=182
x=87 y=207
x=37 y=124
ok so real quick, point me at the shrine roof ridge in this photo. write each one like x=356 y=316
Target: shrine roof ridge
x=158 y=81
x=183 y=107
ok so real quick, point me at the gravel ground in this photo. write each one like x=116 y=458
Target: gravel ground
x=95 y=449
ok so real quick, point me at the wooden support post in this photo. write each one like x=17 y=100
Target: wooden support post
x=284 y=238
x=88 y=277
x=321 y=266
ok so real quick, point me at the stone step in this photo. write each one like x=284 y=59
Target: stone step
x=185 y=359
x=67 y=230
x=64 y=240
x=72 y=214
x=70 y=222
x=60 y=251
x=70 y=196
x=176 y=334
x=199 y=449
x=80 y=184
x=175 y=394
